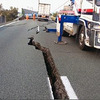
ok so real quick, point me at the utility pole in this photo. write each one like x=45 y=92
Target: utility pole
x=38 y=1
x=38 y=4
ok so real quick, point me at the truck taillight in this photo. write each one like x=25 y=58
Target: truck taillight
x=43 y=16
x=59 y=19
x=47 y=16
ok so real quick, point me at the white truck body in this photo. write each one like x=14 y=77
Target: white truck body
x=88 y=29
x=43 y=11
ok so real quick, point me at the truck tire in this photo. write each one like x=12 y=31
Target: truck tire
x=65 y=33
x=82 y=38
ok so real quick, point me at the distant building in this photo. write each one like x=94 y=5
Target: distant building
x=29 y=12
x=67 y=8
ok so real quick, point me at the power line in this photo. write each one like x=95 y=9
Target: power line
x=57 y=2
x=62 y=4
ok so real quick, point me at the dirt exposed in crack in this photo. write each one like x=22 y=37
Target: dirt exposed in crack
x=58 y=88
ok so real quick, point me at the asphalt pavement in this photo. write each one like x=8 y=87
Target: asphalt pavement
x=81 y=67
x=22 y=69
x=23 y=73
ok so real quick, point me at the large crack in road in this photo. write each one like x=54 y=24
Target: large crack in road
x=58 y=88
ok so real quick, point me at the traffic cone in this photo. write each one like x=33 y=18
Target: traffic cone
x=33 y=16
x=27 y=17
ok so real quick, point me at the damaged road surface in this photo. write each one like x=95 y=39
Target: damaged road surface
x=54 y=77
x=23 y=73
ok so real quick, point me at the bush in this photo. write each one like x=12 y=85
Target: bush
x=10 y=14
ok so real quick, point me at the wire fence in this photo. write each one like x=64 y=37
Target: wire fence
x=2 y=19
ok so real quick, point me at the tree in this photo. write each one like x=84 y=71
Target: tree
x=0 y=7
x=55 y=14
x=13 y=12
x=23 y=12
x=10 y=14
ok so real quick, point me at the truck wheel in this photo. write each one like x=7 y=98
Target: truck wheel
x=81 y=39
x=65 y=33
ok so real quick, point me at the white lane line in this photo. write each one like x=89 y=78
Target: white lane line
x=71 y=93
x=8 y=24
x=51 y=93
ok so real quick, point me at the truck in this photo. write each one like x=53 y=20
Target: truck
x=43 y=11
x=87 y=30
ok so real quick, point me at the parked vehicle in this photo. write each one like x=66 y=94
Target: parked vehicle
x=43 y=11
x=87 y=30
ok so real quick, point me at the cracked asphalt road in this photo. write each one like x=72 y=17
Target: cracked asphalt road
x=22 y=70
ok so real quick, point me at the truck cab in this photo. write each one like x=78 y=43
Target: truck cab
x=87 y=31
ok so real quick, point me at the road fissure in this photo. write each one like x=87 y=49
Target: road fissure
x=58 y=88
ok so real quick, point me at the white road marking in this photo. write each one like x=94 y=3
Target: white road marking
x=51 y=93
x=38 y=29
x=8 y=24
x=71 y=93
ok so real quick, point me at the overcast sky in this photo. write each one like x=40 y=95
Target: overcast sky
x=33 y=4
